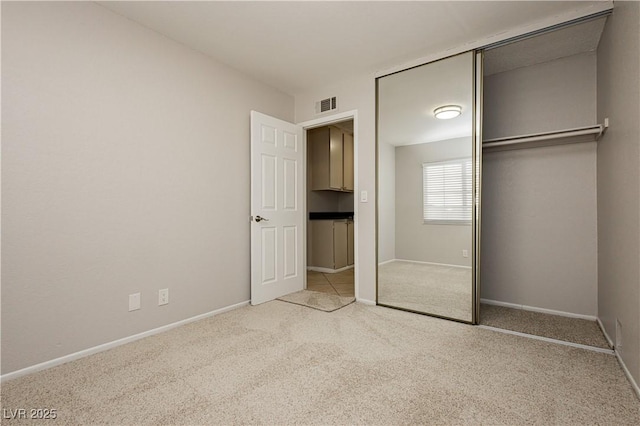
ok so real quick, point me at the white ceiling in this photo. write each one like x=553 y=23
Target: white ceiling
x=295 y=46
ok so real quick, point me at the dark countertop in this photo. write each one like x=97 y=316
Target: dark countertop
x=330 y=215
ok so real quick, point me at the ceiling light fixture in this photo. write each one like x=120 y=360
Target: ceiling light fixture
x=448 y=111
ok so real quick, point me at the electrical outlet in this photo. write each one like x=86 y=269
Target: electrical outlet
x=465 y=253
x=163 y=296
x=134 y=302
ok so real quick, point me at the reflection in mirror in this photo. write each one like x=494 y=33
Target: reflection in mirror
x=425 y=234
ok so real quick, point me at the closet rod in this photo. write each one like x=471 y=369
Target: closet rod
x=580 y=134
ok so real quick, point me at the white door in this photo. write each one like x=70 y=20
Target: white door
x=276 y=208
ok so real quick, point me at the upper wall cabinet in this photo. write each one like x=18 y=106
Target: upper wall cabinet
x=331 y=159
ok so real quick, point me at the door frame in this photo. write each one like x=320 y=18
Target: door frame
x=325 y=121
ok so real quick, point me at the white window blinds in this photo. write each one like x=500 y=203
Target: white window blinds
x=447 y=195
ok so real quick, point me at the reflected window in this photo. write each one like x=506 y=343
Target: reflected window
x=446 y=187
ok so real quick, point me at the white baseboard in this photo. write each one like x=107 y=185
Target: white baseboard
x=110 y=345
x=366 y=301
x=386 y=261
x=431 y=263
x=631 y=379
x=541 y=310
x=633 y=382
x=547 y=339
x=328 y=270
x=606 y=336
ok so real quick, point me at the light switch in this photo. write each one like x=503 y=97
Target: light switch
x=364 y=196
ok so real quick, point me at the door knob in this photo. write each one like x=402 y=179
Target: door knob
x=260 y=219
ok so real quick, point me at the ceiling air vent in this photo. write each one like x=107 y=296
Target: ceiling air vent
x=325 y=105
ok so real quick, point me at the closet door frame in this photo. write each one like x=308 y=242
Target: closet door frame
x=477 y=180
x=477 y=98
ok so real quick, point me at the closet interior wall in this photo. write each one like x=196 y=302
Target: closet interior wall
x=619 y=184
x=539 y=220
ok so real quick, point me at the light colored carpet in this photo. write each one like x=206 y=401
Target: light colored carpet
x=434 y=289
x=317 y=300
x=280 y=363
x=574 y=330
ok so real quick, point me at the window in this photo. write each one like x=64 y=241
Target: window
x=446 y=187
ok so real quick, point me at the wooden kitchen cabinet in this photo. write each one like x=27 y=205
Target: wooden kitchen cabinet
x=340 y=249
x=331 y=243
x=347 y=161
x=330 y=159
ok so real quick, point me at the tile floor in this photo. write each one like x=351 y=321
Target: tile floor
x=340 y=283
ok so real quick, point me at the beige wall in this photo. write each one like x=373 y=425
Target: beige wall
x=559 y=94
x=125 y=168
x=321 y=201
x=539 y=228
x=619 y=181
x=416 y=240
x=328 y=201
x=539 y=222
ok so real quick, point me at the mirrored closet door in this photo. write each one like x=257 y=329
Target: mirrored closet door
x=427 y=188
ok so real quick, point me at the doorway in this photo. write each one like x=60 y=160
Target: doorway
x=330 y=208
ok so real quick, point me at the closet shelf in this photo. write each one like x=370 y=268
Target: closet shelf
x=535 y=140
